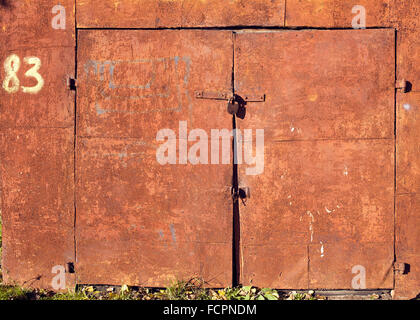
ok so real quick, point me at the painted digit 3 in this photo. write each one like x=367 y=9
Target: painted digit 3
x=33 y=72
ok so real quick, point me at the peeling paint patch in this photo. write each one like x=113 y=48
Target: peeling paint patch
x=346 y=171
x=407 y=106
x=311 y=221
x=328 y=211
x=313 y=97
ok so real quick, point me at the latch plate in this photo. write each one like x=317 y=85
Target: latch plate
x=228 y=96
x=213 y=95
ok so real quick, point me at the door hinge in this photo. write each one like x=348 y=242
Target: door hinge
x=71 y=83
x=402 y=85
x=69 y=267
x=401 y=267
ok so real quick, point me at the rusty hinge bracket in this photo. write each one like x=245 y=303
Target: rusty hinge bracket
x=402 y=85
x=401 y=267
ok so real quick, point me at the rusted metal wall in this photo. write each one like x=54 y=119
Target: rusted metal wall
x=45 y=124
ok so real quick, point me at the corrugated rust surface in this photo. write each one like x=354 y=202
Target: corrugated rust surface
x=337 y=13
x=407 y=286
x=140 y=222
x=408 y=151
x=37 y=204
x=408 y=49
x=29 y=24
x=129 y=79
x=408 y=56
x=179 y=13
x=323 y=79
x=408 y=148
x=333 y=268
x=408 y=160
x=407 y=243
x=336 y=188
x=37 y=150
x=284 y=265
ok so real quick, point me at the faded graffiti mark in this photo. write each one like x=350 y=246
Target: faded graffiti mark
x=124 y=155
x=172 y=228
x=162 y=78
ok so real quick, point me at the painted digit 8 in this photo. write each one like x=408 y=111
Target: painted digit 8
x=11 y=67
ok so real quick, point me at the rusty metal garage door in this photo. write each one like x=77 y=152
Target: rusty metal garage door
x=140 y=222
x=324 y=206
x=324 y=203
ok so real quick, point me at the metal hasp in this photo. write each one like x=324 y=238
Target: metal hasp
x=236 y=102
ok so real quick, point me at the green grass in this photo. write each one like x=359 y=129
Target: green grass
x=180 y=290
x=13 y=293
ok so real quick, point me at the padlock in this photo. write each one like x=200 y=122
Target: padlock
x=233 y=107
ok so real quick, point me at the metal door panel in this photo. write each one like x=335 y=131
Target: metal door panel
x=37 y=205
x=140 y=222
x=328 y=179
x=318 y=84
